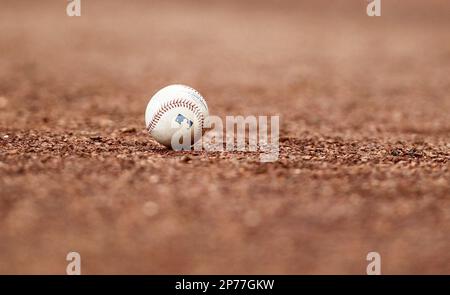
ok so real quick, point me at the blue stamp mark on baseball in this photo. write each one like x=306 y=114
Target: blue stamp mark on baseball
x=180 y=119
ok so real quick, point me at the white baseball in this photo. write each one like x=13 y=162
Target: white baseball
x=176 y=111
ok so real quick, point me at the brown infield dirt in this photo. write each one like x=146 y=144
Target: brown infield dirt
x=364 y=108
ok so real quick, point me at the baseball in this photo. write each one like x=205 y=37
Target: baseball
x=175 y=116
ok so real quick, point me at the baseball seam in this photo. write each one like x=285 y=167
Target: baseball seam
x=178 y=102
x=201 y=98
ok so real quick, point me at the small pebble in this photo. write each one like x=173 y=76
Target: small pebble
x=154 y=179
x=150 y=209
x=185 y=159
x=95 y=137
x=128 y=130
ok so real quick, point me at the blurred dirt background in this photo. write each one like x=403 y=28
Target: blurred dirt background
x=364 y=106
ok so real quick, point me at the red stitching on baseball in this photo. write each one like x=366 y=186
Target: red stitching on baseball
x=178 y=102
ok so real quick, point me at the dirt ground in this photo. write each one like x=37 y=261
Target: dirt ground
x=364 y=108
